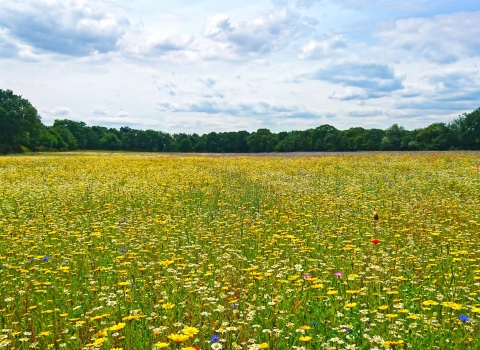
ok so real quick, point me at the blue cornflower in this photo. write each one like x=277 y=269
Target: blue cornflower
x=122 y=250
x=45 y=258
x=234 y=305
x=31 y=260
x=214 y=338
x=464 y=318
x=314 y=324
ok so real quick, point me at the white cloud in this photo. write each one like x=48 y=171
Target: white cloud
x=360 y=81
x=243 y=108
x=59 y=112
x=255 y=38
x=324 y=47
x=142 y=44
x=441 y=39
x=123 y=114
x=68 y=27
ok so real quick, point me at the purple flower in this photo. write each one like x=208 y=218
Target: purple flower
x=122 y=250
x=234 y=305
x=214 y=338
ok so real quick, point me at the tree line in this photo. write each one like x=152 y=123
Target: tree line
x=21 y=130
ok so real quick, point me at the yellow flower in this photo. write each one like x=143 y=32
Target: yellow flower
x=132 y=318
x=117 y=327
x=190 y=331
x=332 y=292
x=429 y=302
x=123 y=284
x=391 y=344
x=305 y=338
x=178 y=338
x=350 y=306
x=305 y=328
x=452 y=305
x=168 y=306
x=263 y=346
x=161 y=345
x=188 y=348
x=383 y=307
x=476 y=309
x=99 y=341
x=391 y=315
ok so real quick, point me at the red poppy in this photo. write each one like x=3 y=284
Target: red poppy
x=375 y=241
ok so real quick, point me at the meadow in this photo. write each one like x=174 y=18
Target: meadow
x=153 y=251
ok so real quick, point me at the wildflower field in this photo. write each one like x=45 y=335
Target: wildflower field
x=149 y=251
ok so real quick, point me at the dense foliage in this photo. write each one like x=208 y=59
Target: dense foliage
x=21 y=129
x=144 y=251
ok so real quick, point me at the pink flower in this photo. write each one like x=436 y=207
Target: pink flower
x=339 y=274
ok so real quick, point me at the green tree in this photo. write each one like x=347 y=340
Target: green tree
x=262 y=141
x=78 y=130
x=19 y=122
x=436 y=136
x=467 y=130
x=65 y=138
x=111 y=142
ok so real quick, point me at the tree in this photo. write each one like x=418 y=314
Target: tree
x=111 y=142
x=66 y=140
x=435 y=137
x=19 y=122
x=467 y=129
x=78 y=130
x=395 y=138
x=262 y=141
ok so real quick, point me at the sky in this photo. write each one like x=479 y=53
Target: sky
x=202 y=66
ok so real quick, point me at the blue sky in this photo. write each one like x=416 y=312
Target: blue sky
x=201 y=66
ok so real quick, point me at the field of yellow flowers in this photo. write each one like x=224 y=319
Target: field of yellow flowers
x=152 y=251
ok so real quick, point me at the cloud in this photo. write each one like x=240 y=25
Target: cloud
x=254 y=38
x=100 y=111
x=59 y=111
x=366 y=112
x=123 y=114
x=208 y=81
x=243 y=108
x=356 y=4
x=451 y=90
x=7 y=47
x=68 y=27
x=323 y=47
x=143 y=44
x=361 y=81
x=441 y=39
